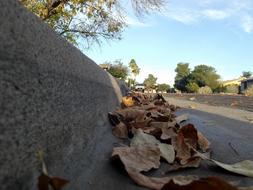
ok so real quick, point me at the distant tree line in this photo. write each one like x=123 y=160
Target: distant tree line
x=188 y=80
x=129 y=73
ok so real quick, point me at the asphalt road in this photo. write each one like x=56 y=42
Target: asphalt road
x=231 y=141
x=231 y=101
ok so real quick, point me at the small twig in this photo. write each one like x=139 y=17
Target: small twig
x=40 y=157
x=233 y=149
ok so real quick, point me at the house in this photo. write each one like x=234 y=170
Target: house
x=245 y=84
x=236 y=82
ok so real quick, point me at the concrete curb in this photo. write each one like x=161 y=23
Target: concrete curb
x=53 y=98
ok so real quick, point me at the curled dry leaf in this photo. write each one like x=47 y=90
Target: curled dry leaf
x=208 y=183
x=43 y=182
x=243 y=168
x=140 y=122
x=168 y=133
x=140 y=158
x=167 y=152
x=148 y=107
x=190 y=135
x=156 y=124
x=183 y=150
x=57 y=183
x=203 y=143
x=192 y=162
x=157 y=116
x=130 y=114
x=120 y=131
x=140 y=138
x=128 y=101
x=245 y=188
x=113 y=118
x=156 y=182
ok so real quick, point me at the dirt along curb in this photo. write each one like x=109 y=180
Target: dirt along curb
x=232 y=113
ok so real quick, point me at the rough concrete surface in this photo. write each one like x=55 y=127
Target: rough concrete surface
x=52 y=98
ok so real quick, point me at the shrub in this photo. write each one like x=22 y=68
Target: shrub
x=249 y=91
x=220 y=89
x=192 y=87
x=205 y=90
x=232 y=89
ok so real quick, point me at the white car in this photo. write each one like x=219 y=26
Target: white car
x=139 y=87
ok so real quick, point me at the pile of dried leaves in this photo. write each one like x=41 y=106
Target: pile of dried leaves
x=156 y=134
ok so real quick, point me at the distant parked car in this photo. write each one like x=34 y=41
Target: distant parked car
x=139 y=87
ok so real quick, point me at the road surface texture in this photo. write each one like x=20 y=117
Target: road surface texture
x=231 y=101
x=232 y=113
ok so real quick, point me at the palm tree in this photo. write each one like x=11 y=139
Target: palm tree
x=135 y=70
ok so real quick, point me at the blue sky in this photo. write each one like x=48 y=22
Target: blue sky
x=218 y=33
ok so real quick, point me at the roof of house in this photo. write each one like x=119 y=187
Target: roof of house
x=248 y=79
x=233 y=81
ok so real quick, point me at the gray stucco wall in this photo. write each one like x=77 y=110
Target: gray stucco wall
x=52 y=98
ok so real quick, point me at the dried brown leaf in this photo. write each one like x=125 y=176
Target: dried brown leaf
x=156 y=182
x=190 y=135
x=130 y=114
x=183 y=150
x=244 y=167
x=43 y=182
x=140 y=122
x=140 y=138
x=120 y=130
x=208 y=183
x=140 y=158
x=245 y=188
x=157 y=116
x=168 y=133
x=113 y=118
x=58 y=183
x=156 y=124
x=167 y=152
x=128 y=101
x=192 y=162
x=203 y=143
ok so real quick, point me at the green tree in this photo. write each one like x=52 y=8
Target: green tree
x=134 y=67
x=181 y=79
x=135 y=70
x=163 y=87
x=88 y=20
x=192 y=87
x=247 y=74
x=150 y=82
x=118 y=70
x=204 y=75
